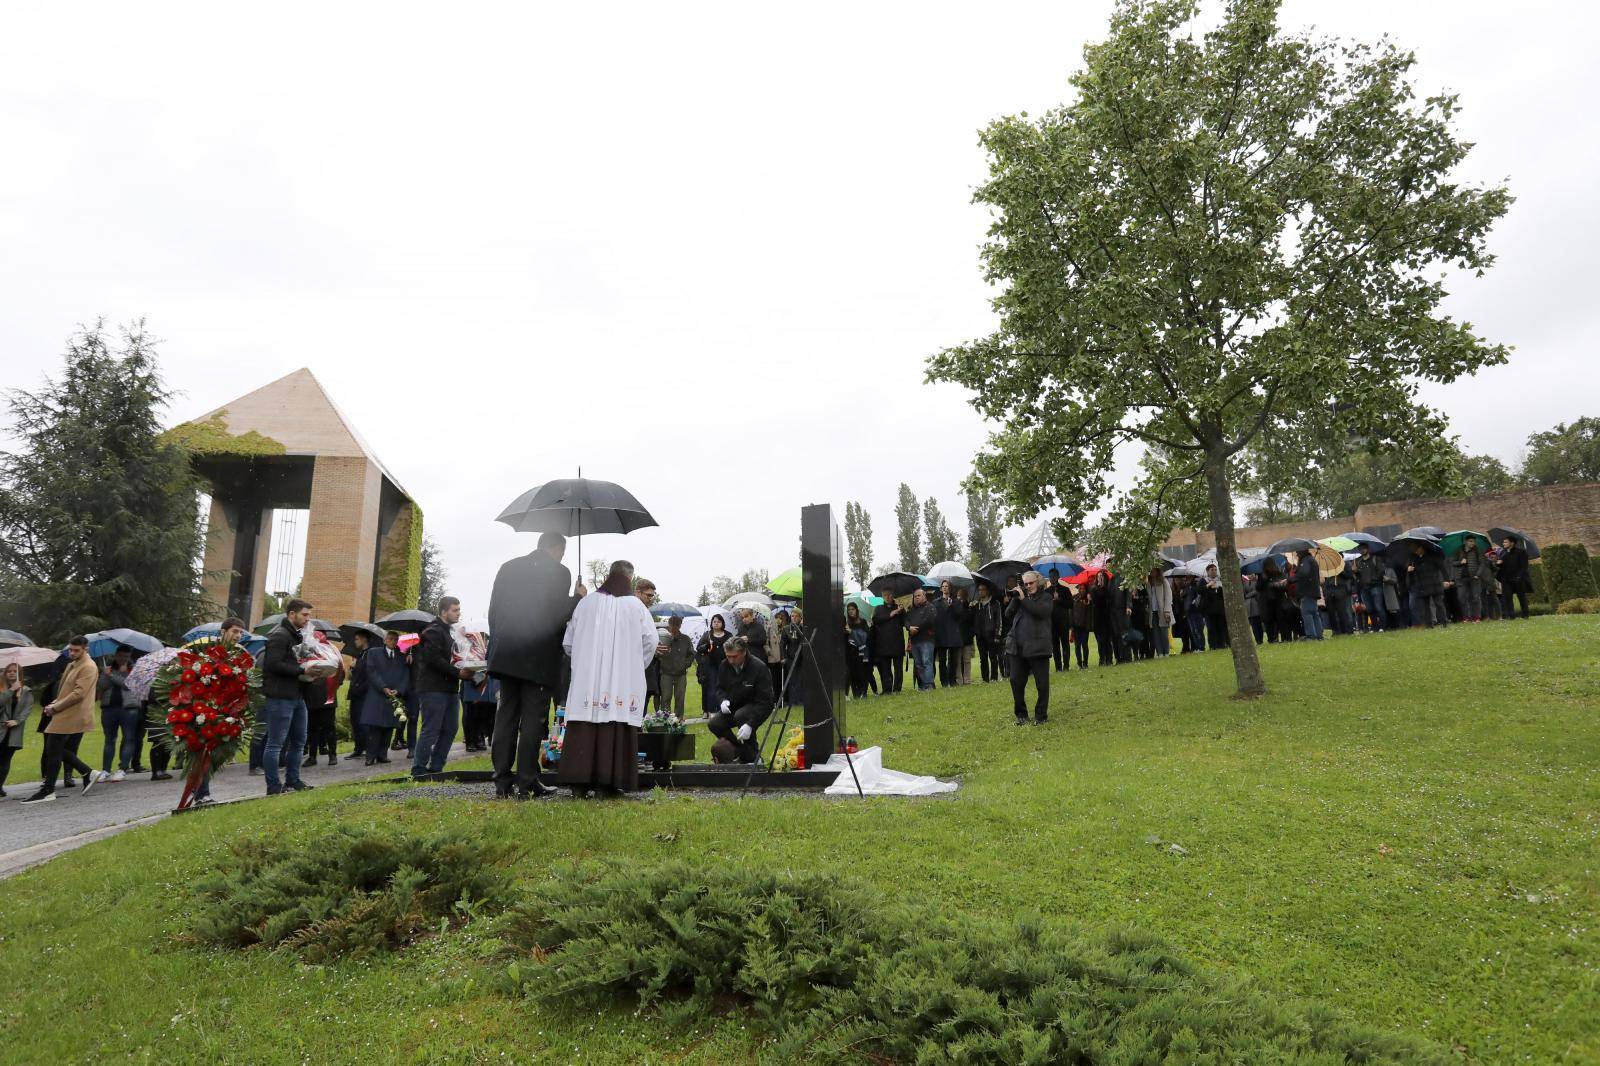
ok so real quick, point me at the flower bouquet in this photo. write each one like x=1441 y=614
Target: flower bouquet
x=397 y=707
x=471 y=651
x=212 y=695
x=317 y=656
x=662 y=722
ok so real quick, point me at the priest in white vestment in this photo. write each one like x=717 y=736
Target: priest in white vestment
x=611 y=639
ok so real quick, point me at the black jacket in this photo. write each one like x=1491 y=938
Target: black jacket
x=748 y=691
x=986 y=616
x=1428 y=577
x=755 y=635
x=923 y=619
x=280 y=670
x=948 y=619
x=1308 y=578
x=528 y=613
x=888 y=631
x=436 y=671
x=1514 y=570
x=1030 y=635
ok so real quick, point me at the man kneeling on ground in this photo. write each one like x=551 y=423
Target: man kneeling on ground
x=747 y=699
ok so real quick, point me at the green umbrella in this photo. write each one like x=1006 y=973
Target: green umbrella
x=865 y=602
x=1451 y=542
x=786 y=584
x=1342 y=544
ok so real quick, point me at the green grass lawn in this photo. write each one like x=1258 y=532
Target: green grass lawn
x=1406 y=828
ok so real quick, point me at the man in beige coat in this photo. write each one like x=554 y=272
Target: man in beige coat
x=70 y=714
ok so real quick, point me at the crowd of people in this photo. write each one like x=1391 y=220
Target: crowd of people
x=605 y=658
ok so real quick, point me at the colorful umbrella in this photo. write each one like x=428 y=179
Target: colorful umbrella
x=786 y=584
x=143 y=674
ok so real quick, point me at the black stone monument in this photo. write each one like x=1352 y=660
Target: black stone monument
x=824 y=678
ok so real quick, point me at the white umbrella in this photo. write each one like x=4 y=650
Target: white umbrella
x=27 y=656
x=958 y=576
x=741 y=599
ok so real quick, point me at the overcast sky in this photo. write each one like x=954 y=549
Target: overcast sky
x=701 y=250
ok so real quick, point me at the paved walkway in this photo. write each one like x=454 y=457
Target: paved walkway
x=38 y=831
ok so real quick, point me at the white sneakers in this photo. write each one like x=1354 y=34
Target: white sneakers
x=94 y=779
x=118 y=776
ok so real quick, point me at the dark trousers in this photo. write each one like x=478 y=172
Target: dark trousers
x=408 y=732
x=891 y=672
x=860 y=675
x=65 y=765
x=1505 y=602
x=776 y=670
x=521 y=720
x=1431 y=607
x=1061 y=643
x=1106 y=643
x=61 y=749
x=441 y=717
x=1217 y=630
x=1258 y=628
x=989 y=659
x=949 y=660
x=1080 y=645
x=723 y=725
x=321 y=734
x=6 y=752
x=376 y=739
x=358 y=732
x=477 y=722
x=115 y=721
x=1039 y=667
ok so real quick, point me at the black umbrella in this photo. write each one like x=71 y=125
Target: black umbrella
x=999 y=571
x=1400 y=547
x=406 y=621
x=1291 y=544
x=270 y=622
x=1500 y=533
x=349 y=630
x=1374 y=544
x=10 y=638
x=1426 y=531
x=897 y=584
x=575 y=506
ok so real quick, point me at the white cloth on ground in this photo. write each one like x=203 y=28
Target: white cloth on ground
x=878 y=781
x=611 y=640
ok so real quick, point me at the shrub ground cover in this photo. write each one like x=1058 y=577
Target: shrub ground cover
x=1404 y=830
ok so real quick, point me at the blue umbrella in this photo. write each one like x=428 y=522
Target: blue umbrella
x=1259 y=563
x=674 y=610
x=251 y=642
x=107 y=641
x=1058 y=566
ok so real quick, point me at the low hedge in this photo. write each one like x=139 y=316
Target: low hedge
x=1536 y=581
x=1567 y=574
x=1580 y=605
x=835 y=972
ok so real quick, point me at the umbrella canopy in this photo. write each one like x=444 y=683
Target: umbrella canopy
x=26 y=655
x=405 y=621
x=711 y=610
x=270 y=622
x=674 y=610
x=348 y=631
x=786 y=584
x=575 y=506
x=694 y=627
x=1195 y=567
x=1291 y=544
x=1259 y=563
x=143 y=674
x=1329 y=562
x=999 y=571
x=251 y=642
x=865 y=602
x=1500 y=533
x=1453 y=542
x=1166 y=565
x=1058 y=566
x=1431 y=531
x=10 y=638
x=1340 y=544
x=107 y=641
x=1399 y=548
x=1087 y=576
x=764 y=610
x=739 y=599
x=895 y=584
x=1376 y=544
x=958 y=576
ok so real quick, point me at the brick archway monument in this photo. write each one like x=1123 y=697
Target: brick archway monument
x=286 y=445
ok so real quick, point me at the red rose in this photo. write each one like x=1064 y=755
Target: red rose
x=206 y=669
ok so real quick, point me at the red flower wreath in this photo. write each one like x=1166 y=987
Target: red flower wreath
x=212 y=695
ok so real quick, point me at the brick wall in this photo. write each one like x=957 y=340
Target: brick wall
x=342 y=538
x=1557 y=514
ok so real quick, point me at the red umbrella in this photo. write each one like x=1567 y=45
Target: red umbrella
x=1087 y=576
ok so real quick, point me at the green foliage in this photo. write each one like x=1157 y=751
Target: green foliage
x=1582 y=605
x=100 y=525
x=1536 y=581
x=985 y=524
x=433 y=575
x=399 y=583
x=723 y=586
x=943 y=544
x=839 y=973
x=858 y=542
x=1565 y=455
x=1594 y=568
x=347 y=892
x=1567 y=574
x=908 y=518
x=211 y=438
x=1224 y=233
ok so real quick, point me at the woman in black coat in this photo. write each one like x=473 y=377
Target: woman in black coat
x=1513 y=564
x=708 y=664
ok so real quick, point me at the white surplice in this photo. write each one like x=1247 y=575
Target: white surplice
x=611 y=639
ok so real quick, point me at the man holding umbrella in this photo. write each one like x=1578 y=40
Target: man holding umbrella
x=528 y=612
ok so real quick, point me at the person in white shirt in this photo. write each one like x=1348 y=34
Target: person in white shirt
x=611 y=639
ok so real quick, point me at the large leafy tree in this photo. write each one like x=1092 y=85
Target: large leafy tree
x=100 y=521
x=1565 y=455
x=1224 y=232
x=908 y=519
x=858 y=541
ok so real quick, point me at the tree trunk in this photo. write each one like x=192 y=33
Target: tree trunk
x=1241 y=640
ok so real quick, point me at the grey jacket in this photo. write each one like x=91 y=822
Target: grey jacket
x=1030 y=635
x=14 y=706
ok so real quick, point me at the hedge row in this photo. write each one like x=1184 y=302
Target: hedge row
x=1567 y=574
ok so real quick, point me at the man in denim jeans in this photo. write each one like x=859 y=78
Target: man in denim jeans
x=285 y=710
x=438 y=691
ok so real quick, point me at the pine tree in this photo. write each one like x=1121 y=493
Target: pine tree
x=101 y=525
x=984 y=527
x=858 y=540
x=909 y=516
x=943 y=544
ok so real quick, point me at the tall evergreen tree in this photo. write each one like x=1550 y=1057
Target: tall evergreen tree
x=909 y=516
x=434 y=576
x=984 y=527
x=943 y=544
x=858 y=541
x=101 y=524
